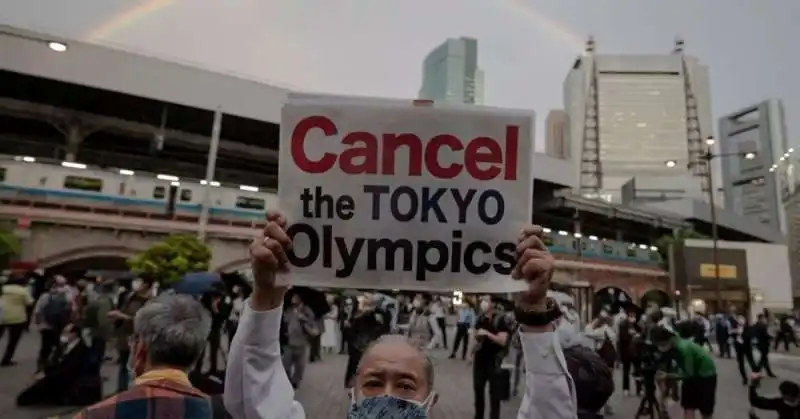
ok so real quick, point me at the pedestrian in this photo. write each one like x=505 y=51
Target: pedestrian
x=440 y=322
x=140 y=294
x=760 y=333
x=466 y=321
x=418 y=331
x=15 y=300
x=330 y=337
x=742 y=342
x=492 y=335
x=300 y=327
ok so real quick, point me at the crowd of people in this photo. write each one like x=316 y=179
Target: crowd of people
x=161 y=344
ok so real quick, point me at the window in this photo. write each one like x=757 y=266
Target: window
x=2 y=174
x=186 y=195
x=83 y=183
x=250 y=203
x=159 y=192
x=608 y=249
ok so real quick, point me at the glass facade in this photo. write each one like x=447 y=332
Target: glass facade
x=450 y=73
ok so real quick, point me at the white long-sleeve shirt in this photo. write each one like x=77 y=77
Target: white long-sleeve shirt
x=256 y=385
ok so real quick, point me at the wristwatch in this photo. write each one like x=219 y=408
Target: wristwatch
x=530 y=317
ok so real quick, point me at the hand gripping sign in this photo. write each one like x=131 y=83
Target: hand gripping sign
x=385 y=194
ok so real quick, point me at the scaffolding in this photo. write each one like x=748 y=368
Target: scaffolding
x=591 y=171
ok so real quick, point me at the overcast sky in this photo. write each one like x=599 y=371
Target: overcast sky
x=371 y=47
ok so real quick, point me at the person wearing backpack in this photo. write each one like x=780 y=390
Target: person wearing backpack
x=52 y=313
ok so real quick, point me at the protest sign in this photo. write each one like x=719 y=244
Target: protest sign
x=388 y=195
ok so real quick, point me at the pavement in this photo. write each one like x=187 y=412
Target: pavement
x=323 y=396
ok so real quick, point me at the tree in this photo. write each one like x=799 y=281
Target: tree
x=170 y=259
x=9 y=246
x=668 y=240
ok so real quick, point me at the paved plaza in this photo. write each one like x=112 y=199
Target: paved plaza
x=323 y=396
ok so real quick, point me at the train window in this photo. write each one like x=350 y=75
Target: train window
x=631 y=252
x=2 y=174
x=250 y=203
x=186 y=195
x=122 y=188
x=83 y=183
x=608 y=249
x=159 y=192
x=43 y=181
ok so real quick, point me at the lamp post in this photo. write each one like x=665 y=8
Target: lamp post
x=707 y=157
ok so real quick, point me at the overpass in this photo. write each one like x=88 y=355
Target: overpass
x=57 y=238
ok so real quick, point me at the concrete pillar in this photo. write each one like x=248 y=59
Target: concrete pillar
x=74 y=136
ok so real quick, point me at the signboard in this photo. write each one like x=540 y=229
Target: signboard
x=725 y=271
x=384 y=194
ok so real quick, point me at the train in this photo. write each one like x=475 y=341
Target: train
x=67 y=182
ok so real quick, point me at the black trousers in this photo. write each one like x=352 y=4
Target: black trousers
x=724 y=346
x=744 y=353
x=230 y=328
x=443 y=327
x=484 y=373
x=98 y=354
x=627 y=365
x=352 y=366
x=315 y=349
x=49 y=343
x=343 y=339
x=461 y=337
x=763 y=363
x=14 y=335
x=213 y=352
x=786 y=338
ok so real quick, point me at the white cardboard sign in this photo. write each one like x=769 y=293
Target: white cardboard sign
x=387 y=195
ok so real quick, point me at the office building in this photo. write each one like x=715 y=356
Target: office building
x=755 y=188
x=450 y=73
x=556 y=144
x=791 y=207
x=631 y=114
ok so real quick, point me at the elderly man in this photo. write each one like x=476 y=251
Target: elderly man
x=394 y=380
x=169 y=334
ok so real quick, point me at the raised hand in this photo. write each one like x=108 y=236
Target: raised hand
x=268 y=256
x=534 y=266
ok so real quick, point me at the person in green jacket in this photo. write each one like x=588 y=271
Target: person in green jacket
x=696 y=371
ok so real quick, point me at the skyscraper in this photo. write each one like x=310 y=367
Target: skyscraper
x=450 y=73
x=756 y=187
x=556 y=144
x=631 y=114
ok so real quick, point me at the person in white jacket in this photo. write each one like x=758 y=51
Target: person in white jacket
x=256 y=385
x=603 y=334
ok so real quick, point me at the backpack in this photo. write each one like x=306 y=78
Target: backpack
x=607 y=352
x=57 y=311
x=593 y=378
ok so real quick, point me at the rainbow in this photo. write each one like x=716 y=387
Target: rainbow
x=127 y=18
x=539 y=20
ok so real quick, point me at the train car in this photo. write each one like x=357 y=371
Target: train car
x=74 y=183
x=596 y=248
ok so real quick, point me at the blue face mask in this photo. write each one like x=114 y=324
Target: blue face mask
x=388 y=407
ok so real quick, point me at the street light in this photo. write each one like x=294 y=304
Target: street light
x=707 y=157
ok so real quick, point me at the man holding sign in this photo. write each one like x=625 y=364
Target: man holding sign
x=388 y=195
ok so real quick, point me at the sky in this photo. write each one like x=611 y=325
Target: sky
x=375 y=48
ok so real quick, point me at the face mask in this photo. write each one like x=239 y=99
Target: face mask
x=484 y=306
x=791 y=402
x=65 y=339
x=417 y=304
x=136 y=285
x=235 y=290
x=389 y=407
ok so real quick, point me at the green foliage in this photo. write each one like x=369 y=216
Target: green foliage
x=170 y=259
x=9 y=246
x=668 y=240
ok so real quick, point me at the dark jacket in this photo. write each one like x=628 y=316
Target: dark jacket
x=775 y=404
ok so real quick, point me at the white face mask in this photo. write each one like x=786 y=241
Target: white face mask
x=136 y=285
x=64 y=339
x=417 y=304
x=485 y=306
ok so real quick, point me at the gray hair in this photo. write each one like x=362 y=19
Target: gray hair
x=428 y=362
x=174 y=328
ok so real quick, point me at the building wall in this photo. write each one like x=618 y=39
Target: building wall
x=752 y=189
x=792 y=213
x=768 y=272
x=641 y=113
x=450 y=72
x=556 y=144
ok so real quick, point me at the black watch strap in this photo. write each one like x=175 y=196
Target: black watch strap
x=538 y=318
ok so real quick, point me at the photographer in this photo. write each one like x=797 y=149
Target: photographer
x=787 y=405
x=697 y=372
